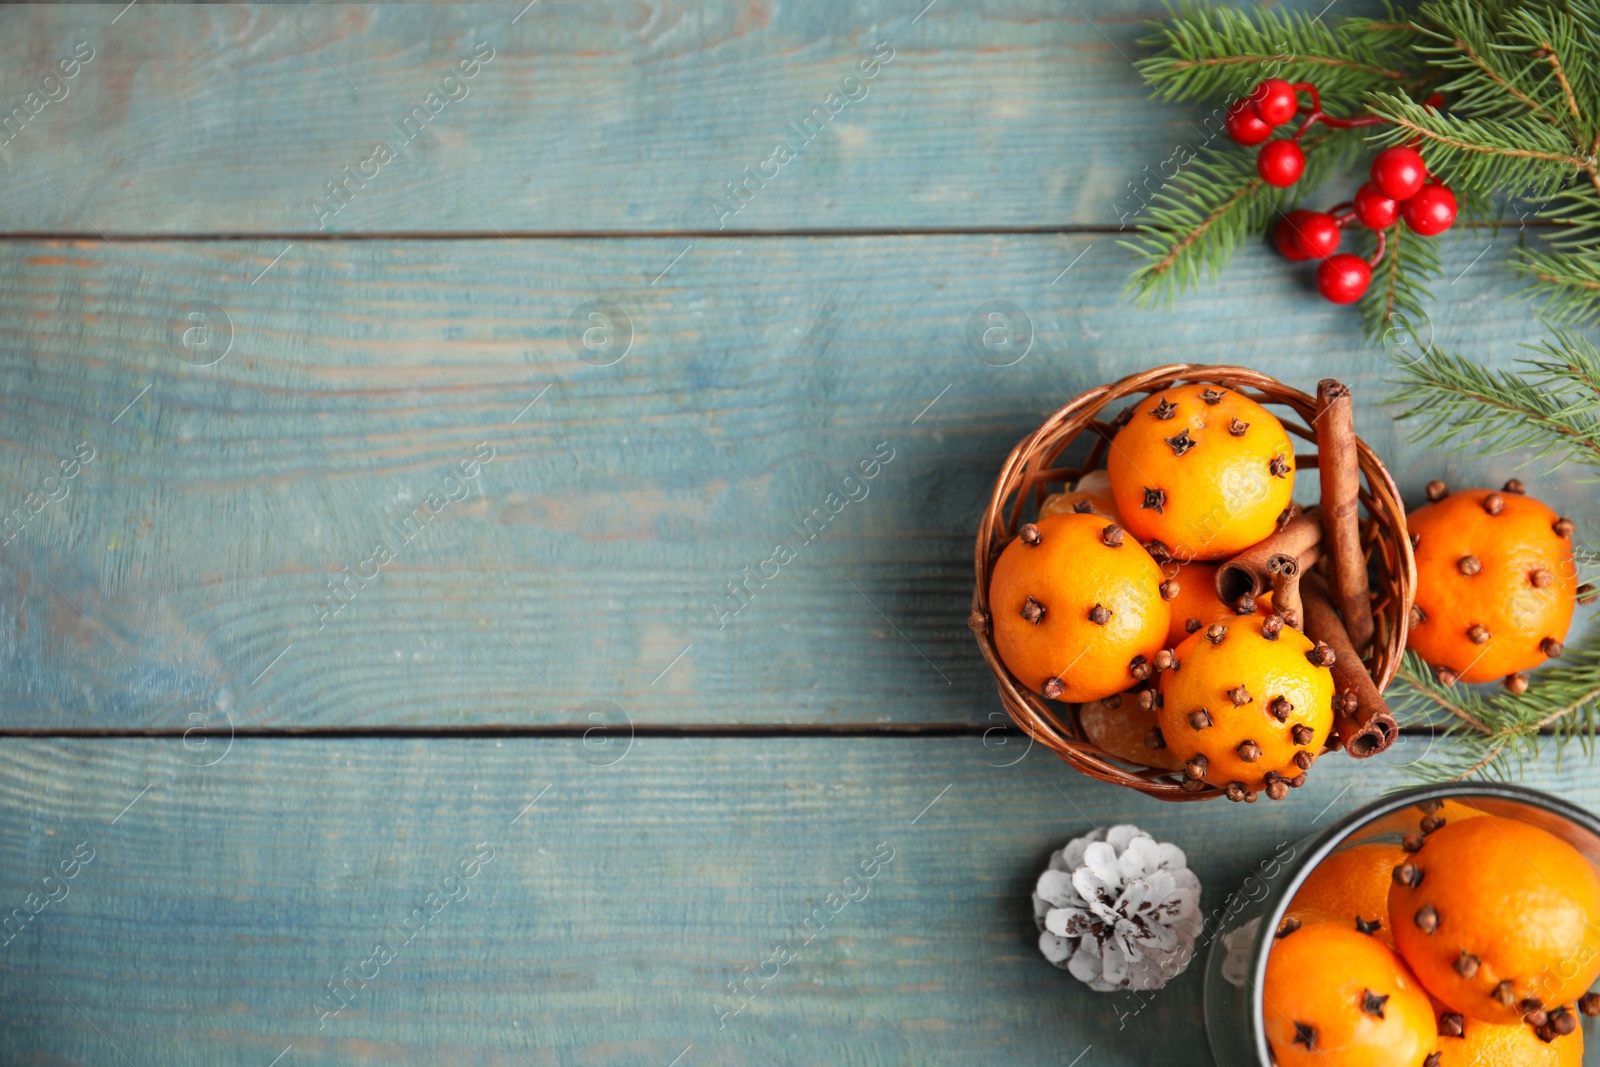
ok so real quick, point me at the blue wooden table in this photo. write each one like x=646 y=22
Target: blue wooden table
x=433 y=384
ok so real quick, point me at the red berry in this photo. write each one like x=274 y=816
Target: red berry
x=1274 y=101
x=1432 y=211
x=1280 y=163
x=1343 y=278
x=1376 y=211
x=1399 y=172
x=1244 y=125
x=1285 y=235
x=1318 y=235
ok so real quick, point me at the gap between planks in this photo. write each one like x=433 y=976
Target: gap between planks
x=562 y=730
x=316 y=236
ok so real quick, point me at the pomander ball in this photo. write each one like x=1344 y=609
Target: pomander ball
x=1118 y=910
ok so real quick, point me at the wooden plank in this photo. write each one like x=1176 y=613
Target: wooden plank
x=588 y=117
x=191 y=559
x=615 y=909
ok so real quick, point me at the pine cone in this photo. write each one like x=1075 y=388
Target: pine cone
x=1117 y=910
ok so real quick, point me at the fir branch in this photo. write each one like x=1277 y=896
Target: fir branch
x=1394 y=299
x=1575 y=211
x=1491 y=735
x=1548 y=408
x=1493 y=80
x=1514 y=154
x=1552 y=34
x=1569 y=284
x=1191 y=227
x=1205 y=52
x=1521 y=119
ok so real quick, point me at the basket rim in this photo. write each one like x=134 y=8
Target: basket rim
x=1027 y=468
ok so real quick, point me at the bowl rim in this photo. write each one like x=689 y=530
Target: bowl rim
x=1330 y=839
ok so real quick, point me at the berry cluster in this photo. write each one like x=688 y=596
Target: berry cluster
x=1401 y=188
x=1271 y=104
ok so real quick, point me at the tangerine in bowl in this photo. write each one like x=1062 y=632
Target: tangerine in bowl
x=1447 y=925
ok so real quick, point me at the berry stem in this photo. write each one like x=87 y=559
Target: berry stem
x=1383 y=246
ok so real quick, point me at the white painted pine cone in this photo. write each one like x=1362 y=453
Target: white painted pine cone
x=1118 y=910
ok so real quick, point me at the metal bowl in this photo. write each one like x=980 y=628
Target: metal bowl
x=1237 y=963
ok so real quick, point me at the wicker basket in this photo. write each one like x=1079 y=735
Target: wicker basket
x=1030 y=472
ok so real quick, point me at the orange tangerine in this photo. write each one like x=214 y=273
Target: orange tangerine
x=1202 y=469
x=1077 y=608
x=1245 y=706
x=1334 y=996
x=1484 y=1044
x=1352 y=884
x=1091 y=493
x=1196 y=604
x=1498 y=918
x=1496 y=584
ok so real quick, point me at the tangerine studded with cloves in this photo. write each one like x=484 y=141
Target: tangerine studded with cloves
x=1336 y=997
x=1466 y=1042
x=1496 y=584
x=1194 y=600
x=1203 y=469
x=1350 y=885
x=1241 y=679
x=1076 y=609
x=1493 y=915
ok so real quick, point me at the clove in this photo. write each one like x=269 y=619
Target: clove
x=1181 y=443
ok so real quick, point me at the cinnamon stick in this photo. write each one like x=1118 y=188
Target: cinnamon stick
x=1362 y=718
x=1286 y=589
x=1248 y=572
x=1340 y=473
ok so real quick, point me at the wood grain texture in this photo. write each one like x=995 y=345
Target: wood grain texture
x=190 y=561
x=613 y=913
x=623 y=116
